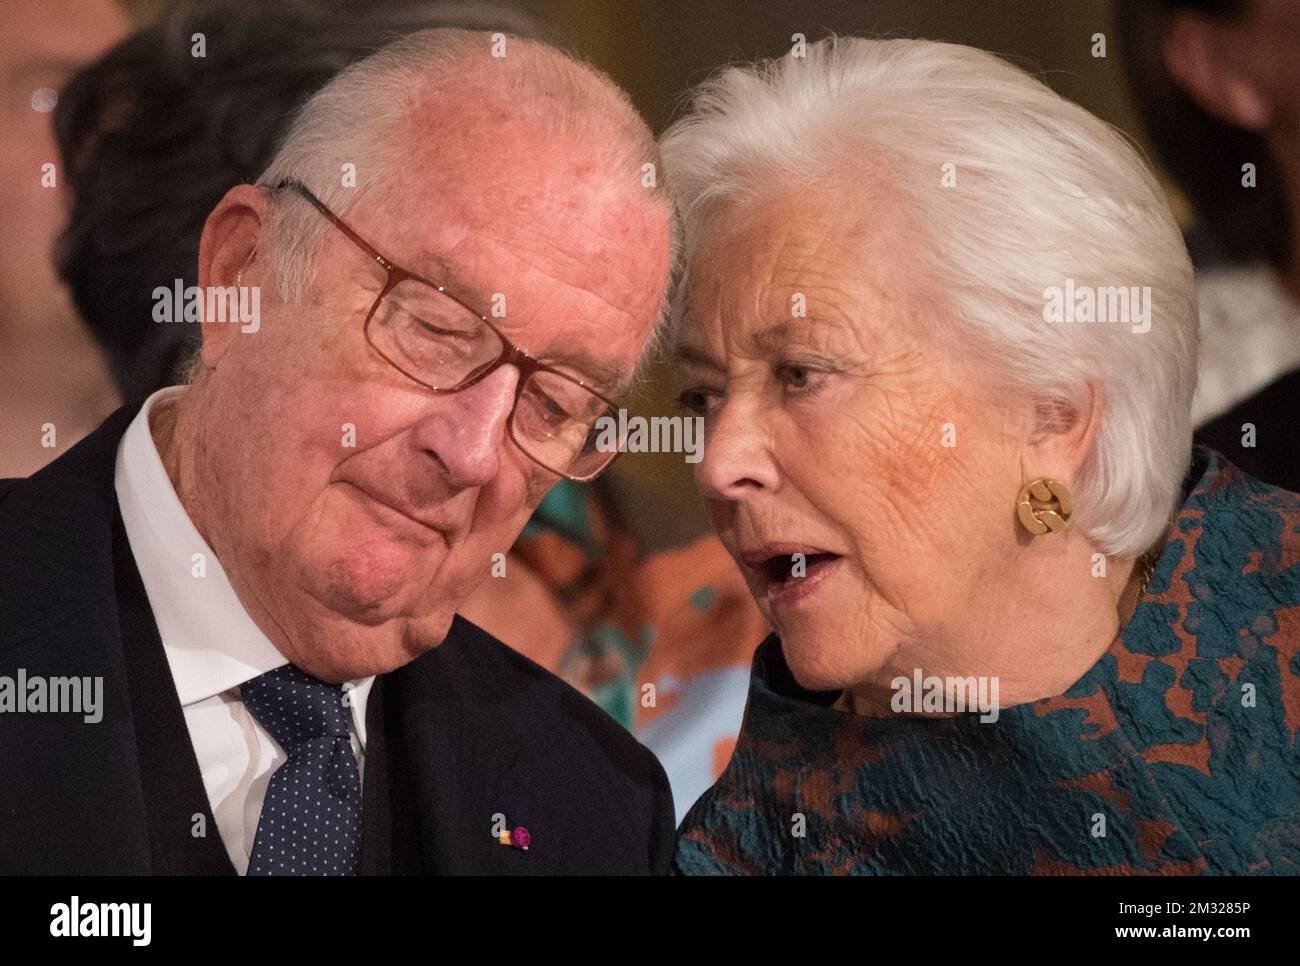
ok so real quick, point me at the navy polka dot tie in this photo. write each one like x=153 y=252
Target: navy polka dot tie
x=311 y=818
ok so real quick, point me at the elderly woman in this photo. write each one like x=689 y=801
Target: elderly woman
x=942 y=330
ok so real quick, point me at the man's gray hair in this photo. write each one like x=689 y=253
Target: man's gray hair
x=348 y=122
x=1010 y=193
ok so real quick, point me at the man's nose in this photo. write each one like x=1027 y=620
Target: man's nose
x=466 y=431
x=737 y=459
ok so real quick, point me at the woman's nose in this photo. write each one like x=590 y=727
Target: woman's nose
x=738 y=461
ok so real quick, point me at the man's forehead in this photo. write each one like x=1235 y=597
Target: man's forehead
x=515 y=238
x=563 y=350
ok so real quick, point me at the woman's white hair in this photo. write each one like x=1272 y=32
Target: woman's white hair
x=1009 y=192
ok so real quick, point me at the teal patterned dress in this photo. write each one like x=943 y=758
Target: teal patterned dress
x=1175 y=754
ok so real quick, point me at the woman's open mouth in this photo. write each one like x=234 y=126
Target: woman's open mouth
x=787 y=572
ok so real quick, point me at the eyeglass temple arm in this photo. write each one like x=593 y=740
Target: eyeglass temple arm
x=338 y=223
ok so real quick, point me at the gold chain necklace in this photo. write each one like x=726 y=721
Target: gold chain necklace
x=1144 y=570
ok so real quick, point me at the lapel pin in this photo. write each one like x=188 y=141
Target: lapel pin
x=519 y=838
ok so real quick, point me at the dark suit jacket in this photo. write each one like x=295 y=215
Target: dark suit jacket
x=465 y=732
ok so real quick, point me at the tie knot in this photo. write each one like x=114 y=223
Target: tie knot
x=295 y=707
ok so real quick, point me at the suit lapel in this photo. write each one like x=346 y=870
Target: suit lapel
x=183 y=835
x=455 y=743
x=388 y=845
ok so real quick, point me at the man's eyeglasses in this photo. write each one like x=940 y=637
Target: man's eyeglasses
x=435 y=339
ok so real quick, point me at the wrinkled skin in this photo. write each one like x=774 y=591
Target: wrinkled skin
x=322 y=542
x=828 y=432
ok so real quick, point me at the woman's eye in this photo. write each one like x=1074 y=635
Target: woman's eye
x=694 y=400
x=799 y=378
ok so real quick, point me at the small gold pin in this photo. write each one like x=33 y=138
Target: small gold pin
x=519 y=838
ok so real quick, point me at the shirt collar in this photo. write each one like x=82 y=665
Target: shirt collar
x=212 y=644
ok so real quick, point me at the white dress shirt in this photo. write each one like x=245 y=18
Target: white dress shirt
x=212 y=645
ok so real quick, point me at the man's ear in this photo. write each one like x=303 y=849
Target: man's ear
x=1063 y=435
x=228 y=256
x=1207 y=66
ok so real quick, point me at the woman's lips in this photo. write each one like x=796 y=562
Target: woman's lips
x=774 y=566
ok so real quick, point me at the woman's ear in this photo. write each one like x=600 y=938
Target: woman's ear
x=1204 y=62
x=1064 y=433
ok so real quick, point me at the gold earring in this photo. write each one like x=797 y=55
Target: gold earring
x=1044 y=519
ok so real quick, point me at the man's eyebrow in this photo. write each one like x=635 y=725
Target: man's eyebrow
x=440 y=270
x=605 y=377
x=696 y=357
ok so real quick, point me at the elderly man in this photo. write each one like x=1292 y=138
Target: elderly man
x=228 y=639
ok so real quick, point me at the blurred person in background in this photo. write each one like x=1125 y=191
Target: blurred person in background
x=54 y=385
x=154 y=133
x=605 y=587
x=1218 y=86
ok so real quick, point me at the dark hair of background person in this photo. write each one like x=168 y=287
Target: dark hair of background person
x=1203 y=154
x=152 y=137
